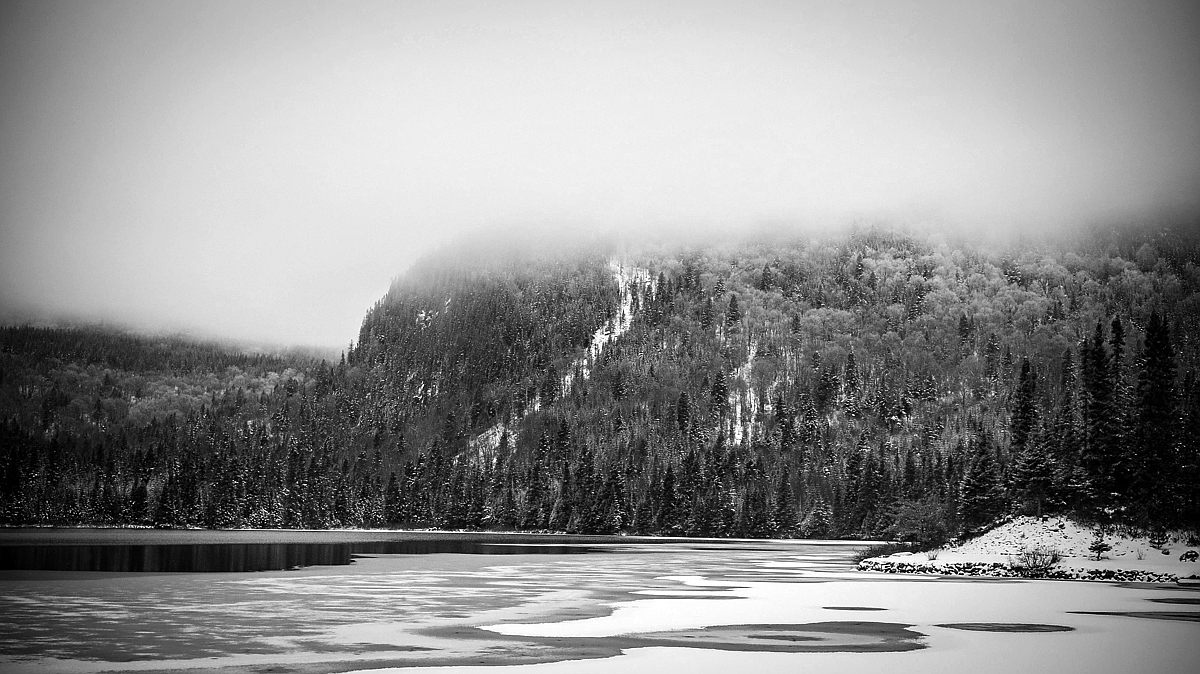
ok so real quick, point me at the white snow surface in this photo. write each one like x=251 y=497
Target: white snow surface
x=743 y=389
x=1098 y=643
x=1072 y=540
x=1067 y=536
x=483 y=446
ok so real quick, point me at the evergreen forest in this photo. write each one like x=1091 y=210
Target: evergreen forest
x=866 y=383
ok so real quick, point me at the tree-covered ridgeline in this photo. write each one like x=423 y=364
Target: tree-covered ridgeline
x=865 y=384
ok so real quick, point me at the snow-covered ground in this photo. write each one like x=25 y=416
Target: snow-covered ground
x=742 y=389
x=1071 y=540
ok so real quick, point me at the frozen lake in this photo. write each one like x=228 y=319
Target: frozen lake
x=695 y=606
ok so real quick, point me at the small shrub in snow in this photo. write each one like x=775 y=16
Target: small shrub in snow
x=1035 y=562
x=882 y=550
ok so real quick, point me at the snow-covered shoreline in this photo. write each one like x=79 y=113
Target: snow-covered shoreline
x=1006 y=570
x=997 y=553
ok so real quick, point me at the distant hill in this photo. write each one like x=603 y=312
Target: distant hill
x=859 y=384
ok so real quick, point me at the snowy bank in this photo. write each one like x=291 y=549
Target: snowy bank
x=1008 y=570
x=998 y=553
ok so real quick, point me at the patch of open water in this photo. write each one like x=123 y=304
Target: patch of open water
x=236 y=557
x=201 y=551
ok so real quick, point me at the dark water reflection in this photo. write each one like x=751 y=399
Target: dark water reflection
x=230 y=557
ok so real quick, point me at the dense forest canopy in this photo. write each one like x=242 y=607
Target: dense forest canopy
x=862 y=383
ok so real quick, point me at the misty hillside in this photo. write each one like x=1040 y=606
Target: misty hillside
x=864 y=384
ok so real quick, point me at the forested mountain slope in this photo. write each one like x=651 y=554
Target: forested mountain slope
x=866 y=383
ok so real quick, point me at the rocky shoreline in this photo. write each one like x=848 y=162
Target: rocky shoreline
x=1003 y=570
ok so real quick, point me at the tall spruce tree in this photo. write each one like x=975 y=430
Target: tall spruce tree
x=850 y=387
x=733 y=315
x=1066 y=438
x=1098 y=456
x=1024 y=414
x=785 y=509
x=1189 y=450
x=1120 y=431
x=1034 y=473
x=981 y=495
x=1154 y=486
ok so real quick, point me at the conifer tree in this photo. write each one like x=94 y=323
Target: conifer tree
x=785 y=510
x=767 y=280
x=1189 y=451
x=733 y=315
x=683 y=414
x=850 y=387
x=718 y=397
x=964 y=332
x=1098 y=455
x=1024 y=414
x=1153 y=483
x=667 y=517
x=1120 y=422
x=393 y=507
x=817 y=520
x=981 y=497
x=1034 y=473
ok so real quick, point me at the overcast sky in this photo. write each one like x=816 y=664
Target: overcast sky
x=262 y=170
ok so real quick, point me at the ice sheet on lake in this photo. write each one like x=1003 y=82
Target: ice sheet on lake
x=428 y=609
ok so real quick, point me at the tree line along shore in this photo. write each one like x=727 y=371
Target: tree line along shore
x=864 y=384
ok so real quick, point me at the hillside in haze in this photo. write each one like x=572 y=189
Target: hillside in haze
x=854 y=384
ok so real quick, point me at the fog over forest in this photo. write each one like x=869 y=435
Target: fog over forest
x=262 y=171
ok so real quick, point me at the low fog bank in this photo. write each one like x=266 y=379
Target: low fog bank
x=271 y=167
x=28 y=317
x=482 y=247
x=1167 y=232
